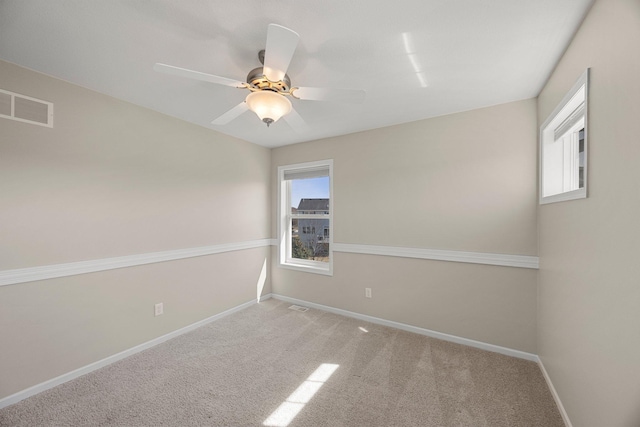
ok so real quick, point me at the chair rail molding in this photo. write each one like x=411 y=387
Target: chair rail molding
x=505 y=260
x=30 y=274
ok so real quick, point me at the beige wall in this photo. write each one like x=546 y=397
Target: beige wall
x=53 y=327
x=459 y=182
x=589 y=293
x=112 y=179
x=462 y=182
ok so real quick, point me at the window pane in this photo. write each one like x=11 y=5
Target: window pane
x=310 y=240
x=581 y=158
x=305 y=217
x=307 y=244
x=564 y=162
x=297 y=248
x=310 y=237
x=314 y=192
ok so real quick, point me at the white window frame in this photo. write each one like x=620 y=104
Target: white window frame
x=285 y=216
x=547 y=134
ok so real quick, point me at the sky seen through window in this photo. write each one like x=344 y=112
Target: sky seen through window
x=310 y=188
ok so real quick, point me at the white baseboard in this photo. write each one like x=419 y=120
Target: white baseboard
x=16 y=397
x=554 y=393
x=265 y=297
x=427 y=332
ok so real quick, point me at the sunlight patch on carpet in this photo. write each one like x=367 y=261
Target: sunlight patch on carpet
x=286 y=412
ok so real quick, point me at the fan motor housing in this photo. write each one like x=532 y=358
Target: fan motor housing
x=258 y=81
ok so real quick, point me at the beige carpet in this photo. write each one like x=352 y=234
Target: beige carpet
x=269 y=365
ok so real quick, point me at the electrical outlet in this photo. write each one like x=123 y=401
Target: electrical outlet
x=159 y=309
x=367 y=292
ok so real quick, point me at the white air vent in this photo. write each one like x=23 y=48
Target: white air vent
x=25 y=109
x=5 y=104
x=298 y=308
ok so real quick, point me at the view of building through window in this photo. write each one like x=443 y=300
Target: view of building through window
x=305 y=211
x=310 y=223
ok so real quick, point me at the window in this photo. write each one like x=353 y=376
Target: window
x=563 y=147
x=305 y=216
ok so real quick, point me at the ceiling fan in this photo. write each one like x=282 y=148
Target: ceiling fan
x=270 y=86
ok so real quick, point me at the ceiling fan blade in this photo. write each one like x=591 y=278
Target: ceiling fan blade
x=281 y=43
x=296 y=122
x=231 y=114
x=334 y=95
x=197 y=75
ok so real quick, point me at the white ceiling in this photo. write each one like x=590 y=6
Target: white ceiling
x=470 y=54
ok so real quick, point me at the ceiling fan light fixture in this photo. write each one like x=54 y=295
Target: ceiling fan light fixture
x=268 y=105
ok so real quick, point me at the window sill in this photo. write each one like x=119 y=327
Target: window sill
x=563 y=197
x=308 y=268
